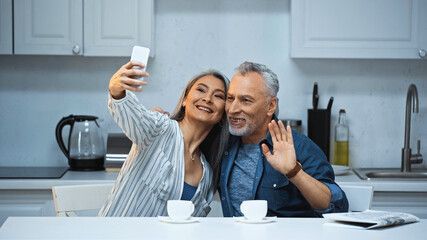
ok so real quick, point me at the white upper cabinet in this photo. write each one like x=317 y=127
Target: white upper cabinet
x=112 y=27
x=388 y=29
x=48 y=27
x=6 y=27
x=77 y=27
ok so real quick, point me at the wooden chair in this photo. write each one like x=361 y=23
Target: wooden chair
x=359 y=197
x=71 y=198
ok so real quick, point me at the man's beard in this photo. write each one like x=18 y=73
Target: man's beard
x=245 y=131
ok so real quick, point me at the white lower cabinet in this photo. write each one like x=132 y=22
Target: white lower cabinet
x=410 y=202
x=26 y=203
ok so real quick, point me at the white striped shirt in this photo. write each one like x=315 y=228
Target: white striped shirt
x=154 y=169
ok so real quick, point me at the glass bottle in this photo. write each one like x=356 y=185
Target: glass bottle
x=341 y=140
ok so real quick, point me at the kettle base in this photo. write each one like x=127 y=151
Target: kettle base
x=96 y=164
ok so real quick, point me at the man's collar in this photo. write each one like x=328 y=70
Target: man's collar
x=267 y=138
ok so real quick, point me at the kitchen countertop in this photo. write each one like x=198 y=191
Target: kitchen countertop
x=381 y=185
x=75 y=177
x=69 y=178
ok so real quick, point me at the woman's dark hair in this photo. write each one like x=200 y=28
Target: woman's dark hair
x=215 y=143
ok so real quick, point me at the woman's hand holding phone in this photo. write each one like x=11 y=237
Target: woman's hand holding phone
x=124 y=79
x=131 y=75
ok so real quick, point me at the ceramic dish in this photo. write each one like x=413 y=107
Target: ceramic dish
x=245 y=220
x=168 y=219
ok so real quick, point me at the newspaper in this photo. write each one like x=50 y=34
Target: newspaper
x=368 y=219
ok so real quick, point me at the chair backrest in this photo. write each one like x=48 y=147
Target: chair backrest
x=71 y=198
x=359 y=197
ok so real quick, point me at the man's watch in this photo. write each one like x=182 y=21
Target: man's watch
x=294 y=171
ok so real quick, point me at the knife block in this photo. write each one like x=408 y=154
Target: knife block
x=319 y=128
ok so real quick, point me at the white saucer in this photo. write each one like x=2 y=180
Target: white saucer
x=245 y=220
x=168 y=219
x=340 y=170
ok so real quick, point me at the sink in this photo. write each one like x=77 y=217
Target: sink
x=390 y=173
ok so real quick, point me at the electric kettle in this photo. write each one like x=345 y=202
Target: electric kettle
x=85 y=149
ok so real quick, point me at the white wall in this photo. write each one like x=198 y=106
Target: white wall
x=191 y=36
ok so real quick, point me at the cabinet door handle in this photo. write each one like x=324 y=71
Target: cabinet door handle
x=76 y=49
x=422 y=53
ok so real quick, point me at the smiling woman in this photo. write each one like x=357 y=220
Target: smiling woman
x=200 y=103
x=171 y=158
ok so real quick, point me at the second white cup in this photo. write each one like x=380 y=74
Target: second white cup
x=180 y=209
x=254 y=209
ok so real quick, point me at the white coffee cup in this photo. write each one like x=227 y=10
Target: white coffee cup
x=180 y=209
x=254 y=209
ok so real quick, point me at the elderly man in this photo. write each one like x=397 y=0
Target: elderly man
x=267 y=161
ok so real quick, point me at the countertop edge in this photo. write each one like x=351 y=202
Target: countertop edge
x=77 y=178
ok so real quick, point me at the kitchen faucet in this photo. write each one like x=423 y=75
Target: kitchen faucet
x=407 y=157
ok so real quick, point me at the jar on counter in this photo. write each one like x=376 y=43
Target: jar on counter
x=295 y=124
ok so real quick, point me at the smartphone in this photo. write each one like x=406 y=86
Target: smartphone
x=140 y=54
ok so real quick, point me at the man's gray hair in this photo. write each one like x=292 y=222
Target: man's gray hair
x=271 y=80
